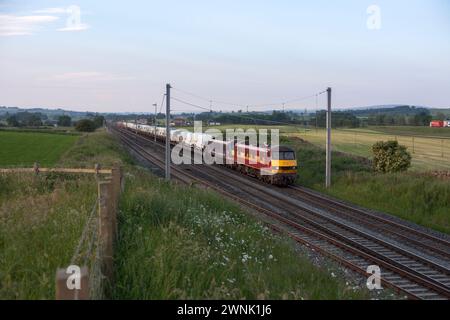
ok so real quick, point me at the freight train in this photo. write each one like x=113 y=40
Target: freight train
x=276 y=165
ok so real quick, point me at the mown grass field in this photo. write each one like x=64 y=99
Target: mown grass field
x=428 y=153
x=413 y=131
x=174 y=241
x=25 y=148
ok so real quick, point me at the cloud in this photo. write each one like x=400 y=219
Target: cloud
x=73 y=22
x=52 y=11
x=87 y=76
x=75 y=27
x=13 y=25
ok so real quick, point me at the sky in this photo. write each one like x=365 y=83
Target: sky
x=117 y=56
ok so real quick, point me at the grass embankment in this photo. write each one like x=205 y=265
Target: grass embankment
x=412 y=196
x=184 y=243
x=174 y=241
x=42 y=217
x=25 y=148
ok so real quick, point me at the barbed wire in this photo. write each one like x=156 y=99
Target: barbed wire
x=84 y=234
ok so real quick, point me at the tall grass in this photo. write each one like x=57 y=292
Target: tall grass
x=183 y=243
x=41 y=218
x=418 y=198
x=99 y=147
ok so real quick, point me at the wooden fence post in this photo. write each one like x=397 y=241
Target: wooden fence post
x=105 y=228
x=36 y=168
x=116 y=175
x=62 y=287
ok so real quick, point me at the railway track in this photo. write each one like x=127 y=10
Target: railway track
x=403 y=269
x=434 y=245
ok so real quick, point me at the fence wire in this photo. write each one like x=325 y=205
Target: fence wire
x=87 y=253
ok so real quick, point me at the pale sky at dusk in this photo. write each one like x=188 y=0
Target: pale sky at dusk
x=120 y=55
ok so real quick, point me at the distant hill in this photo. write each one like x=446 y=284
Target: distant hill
x=437 y=113
x=389 y=110
x=50 y=113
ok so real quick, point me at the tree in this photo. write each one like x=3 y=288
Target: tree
x=34 y=121
x=390 y=157
x=12 y=121
x=440 y=116
x=85 y=125
x=98 y=121
x=64 y=121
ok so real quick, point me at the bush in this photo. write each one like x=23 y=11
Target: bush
x=85 y=125
x=390 y=157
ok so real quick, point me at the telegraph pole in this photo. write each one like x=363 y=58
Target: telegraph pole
x=154 y=134
x=168 y=87
x=328 y=148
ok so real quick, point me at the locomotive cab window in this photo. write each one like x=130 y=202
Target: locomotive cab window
x=287 y=155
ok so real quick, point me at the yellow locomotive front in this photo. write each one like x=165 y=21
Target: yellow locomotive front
x=283 y=166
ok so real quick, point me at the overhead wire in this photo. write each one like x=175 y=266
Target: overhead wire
x=234 y=114
x=262 y=105
x=162 y=103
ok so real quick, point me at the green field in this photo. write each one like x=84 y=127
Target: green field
x=414 y=131
x=25 y=148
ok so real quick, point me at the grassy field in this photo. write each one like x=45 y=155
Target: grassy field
x=24 y=148
x=174 y=241
x=62 y=130
x=414 y=131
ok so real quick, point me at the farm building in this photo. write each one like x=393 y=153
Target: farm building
x=437 y=124
x=179 y=122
